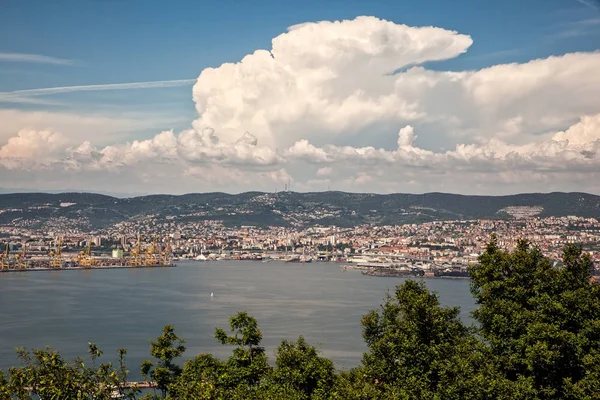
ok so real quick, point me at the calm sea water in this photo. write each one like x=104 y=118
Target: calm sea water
x=127 y=307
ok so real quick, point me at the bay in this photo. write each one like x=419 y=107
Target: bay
x=128 y=307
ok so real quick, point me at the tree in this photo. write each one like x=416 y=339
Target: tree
x=420 y=350
x=300 y=368
x=200 y=379
x=542 y=322
x=248 y=364
x=167 y=347
x=45 y=374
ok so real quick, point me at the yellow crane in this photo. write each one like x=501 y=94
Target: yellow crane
x=152 y=255
x=56 y=260
x=85 y=258
x=167 y=254
x=4 y=258
x=135 y=256
x=21 y=258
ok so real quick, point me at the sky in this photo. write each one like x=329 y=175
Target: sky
x=148 y=96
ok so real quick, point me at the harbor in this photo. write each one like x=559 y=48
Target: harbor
x=429 y=270
x=158 y=253
x=142 y=255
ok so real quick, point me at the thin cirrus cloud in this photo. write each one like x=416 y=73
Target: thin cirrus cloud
x=589 y=3
x=34 y=58
x=110 y=86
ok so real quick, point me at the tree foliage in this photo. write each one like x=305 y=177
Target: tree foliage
x=542 y=322
x=167 y=347
x=45 y=374
x=537 y=337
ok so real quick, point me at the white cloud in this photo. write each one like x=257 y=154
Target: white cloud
x=204 y=146
x=87 y=88
x=33 y=58
x=324 y=103
x=324 y=171
x=320 y=78
x=101 y=128
x=30 y=148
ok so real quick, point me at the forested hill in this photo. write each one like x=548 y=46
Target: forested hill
x=291 y=208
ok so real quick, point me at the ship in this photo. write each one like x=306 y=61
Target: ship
x=394 y=272
x=299 y=259
x=452 y=272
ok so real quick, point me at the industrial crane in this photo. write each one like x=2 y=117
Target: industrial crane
x=166 y=254
x=56 y=260
x=152 y=255
x=85 y=258
x=4 y=259
x=135 y=256
x=21 y=259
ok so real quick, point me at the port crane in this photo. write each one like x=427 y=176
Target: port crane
x=135 y=256
x=21 y=259
x=85 y=258
x=166 y=254
x=152 y=255
x=56 y=260
x=4 y=258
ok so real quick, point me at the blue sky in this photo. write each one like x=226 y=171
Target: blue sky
x=119 y=41
x=45 y=44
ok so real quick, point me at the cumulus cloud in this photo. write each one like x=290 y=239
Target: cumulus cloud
x=325 y=100
x=30 y=148
x=334 y=77
x=102 y=128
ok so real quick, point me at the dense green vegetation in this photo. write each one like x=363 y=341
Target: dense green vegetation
x=537 y=337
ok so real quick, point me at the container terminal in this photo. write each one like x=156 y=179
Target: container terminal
x=150 y=255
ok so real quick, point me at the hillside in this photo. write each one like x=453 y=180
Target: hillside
x=93 y=211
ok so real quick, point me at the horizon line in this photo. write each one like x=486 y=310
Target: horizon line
x=134 y=195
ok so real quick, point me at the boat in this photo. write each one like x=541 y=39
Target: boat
x=394 y=272
x=451 y=273
x=299 y=259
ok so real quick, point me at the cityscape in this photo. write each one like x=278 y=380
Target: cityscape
x=428 y=246
x=300 y=200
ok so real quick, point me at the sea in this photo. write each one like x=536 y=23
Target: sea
x=128 y=307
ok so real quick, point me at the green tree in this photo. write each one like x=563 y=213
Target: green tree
x=420 y=350
x=301 y=370
x=248 y=363
x=45 y=374
x=542 y=322
x=200 y=379
x=167 y=347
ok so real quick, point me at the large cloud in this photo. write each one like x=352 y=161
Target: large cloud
x=329 y=81
x=320 y=108
x=325 y=77
x=31 y=148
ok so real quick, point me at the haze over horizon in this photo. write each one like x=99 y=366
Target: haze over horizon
x=435 y=96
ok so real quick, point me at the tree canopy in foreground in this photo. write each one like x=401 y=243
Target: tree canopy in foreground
x=537 y=337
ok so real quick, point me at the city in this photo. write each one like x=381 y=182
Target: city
x=300 y=200
x=434 y=245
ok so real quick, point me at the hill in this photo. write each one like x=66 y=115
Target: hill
x=92 y=211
